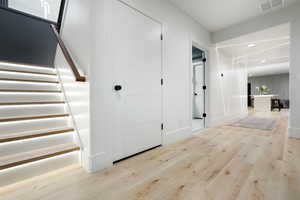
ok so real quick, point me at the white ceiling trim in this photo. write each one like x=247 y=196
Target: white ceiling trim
x=282 y=68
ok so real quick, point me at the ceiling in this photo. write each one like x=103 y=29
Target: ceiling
x=265 y=52
x=217 y=14
x=267 y=70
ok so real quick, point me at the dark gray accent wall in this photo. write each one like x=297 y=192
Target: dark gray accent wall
x=26 y=40
x=278 y=84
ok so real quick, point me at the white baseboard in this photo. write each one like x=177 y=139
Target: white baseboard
x=174 y=136
x=98 y=162
x=294 y=132
x=198 y=131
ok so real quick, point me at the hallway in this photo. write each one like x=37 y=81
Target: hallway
x=223 y=163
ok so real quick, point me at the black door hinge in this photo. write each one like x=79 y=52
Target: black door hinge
x=161 y=37
x=204 y=115
x=162 y=126
x=161 y=81
x=204 y=87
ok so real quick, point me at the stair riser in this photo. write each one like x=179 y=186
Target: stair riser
x=35 y=134
x=23 y=172
x=25 y=76
x=26 y=68
x=7 y=97
x=35 y=138
x=13 y=85
x=8 y=112
x=7 y=128
x=15 y=147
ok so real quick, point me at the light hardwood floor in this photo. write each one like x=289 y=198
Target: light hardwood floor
x=222 y=163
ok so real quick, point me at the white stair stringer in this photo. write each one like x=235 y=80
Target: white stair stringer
x=36 y=133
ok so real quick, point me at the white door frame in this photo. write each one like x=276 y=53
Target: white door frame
x=195 y=44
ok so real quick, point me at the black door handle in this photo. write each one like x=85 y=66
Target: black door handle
x=118 y=87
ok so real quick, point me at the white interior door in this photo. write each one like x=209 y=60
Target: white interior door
x=138 y=92
x=198 y=79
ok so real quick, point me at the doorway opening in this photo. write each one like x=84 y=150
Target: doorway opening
x=249 y=103
x=256 y=92
x=198 y=88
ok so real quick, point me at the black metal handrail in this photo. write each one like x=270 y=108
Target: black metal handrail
x=61 y=14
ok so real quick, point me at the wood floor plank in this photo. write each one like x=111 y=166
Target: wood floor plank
x=264 y=181
x=228 y=163
x=165 y=184
x=229 y=181
x=291 y=171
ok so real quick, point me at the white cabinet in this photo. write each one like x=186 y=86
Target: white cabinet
x=262 y=103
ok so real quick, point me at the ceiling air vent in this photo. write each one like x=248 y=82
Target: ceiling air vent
x=269 y=5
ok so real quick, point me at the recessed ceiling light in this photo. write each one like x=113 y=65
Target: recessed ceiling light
x=251 y=45
x=263 y=61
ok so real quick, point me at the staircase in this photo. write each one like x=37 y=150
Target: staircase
x=36 y=131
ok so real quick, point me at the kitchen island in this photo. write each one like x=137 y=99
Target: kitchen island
x=262 y=103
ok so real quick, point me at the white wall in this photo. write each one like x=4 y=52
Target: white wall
x=294 y=126
x=76 y=32
x=291 y=15
x=76 y=35
x=227 y=94
x=86 y=31
x=179 y=31
x=77 y=99
x=277 y=84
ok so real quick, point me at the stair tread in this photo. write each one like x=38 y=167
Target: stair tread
x=31 y=156
x=35 y=133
